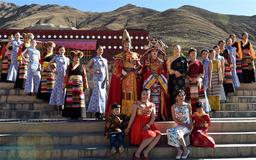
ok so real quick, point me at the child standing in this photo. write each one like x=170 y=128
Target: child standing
x=62 y=62
x=33 y=79
x=114 y=129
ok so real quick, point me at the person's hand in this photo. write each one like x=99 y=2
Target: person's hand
x=146 y=127
x=189 y=126
x=210 y=86
x=126 y=131
x=177 y=74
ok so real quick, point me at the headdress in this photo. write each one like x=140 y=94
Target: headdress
x=126 y=37
x=78 y=53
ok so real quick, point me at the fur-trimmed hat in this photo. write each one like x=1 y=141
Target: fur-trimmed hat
x=78 y=53
x=155 y=44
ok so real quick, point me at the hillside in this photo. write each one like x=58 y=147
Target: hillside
x=187 y=25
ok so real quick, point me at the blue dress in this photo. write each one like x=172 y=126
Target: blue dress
x=232 y=54
x=99 y=94
x=175 y=134
x=12 y=72
x=33 y=78
x=57 y=96
x=206 y=63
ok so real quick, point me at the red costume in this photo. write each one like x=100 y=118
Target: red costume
x=125 y=83
x=199 y=133
x=143 y=116
x=155 y=77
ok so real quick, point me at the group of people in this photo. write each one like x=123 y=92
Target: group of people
x=143 y=88
x=178 y=88
x=52 y=76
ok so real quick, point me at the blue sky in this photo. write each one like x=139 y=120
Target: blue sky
x=237 y=7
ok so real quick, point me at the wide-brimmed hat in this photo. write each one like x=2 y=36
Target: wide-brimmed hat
x=78 y=53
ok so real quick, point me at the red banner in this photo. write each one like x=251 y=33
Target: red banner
x=74 y=43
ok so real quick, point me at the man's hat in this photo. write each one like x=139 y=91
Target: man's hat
x=126 y=37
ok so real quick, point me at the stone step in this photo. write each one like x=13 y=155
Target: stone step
x=4 y=85
x=246 y=92
x=225 y=114
x=241 y=99
x=220 y=125
x=63 y=125
x=238 y=106
x=8 y=91
x=250 y=86
x=28 y=114
x=19 y=99
x=27 y=106
x=99 y=151
x=98 y=138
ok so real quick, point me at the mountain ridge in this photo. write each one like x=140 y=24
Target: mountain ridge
x=187 y=25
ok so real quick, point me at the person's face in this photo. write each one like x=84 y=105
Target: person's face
x=127 y=46
x=245 y=37
x=212 y=54
x=99 y=51
x=180 y=97
x=176 y=50
x=205 y=54
x=229 y=42
x=49 y=48
x=192 y=55
x=199 y=109
x=116 y=111
x=17 y=36
x=217 y=49
x=62 y=50
x=154 y=53
x=75 y=58
x=33 y=43
x=222 y=44
x=145 y=95
x=10 y=38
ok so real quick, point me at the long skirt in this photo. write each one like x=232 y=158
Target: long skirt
x=228 y=82
x=5 y=65
x=248 y=67
x=32 y=82
x=200 y=138
x=196 y=94
x=58 y=94
x=13 y=70
x=239 y=70
x=46 y=85
x=138 y=134
x=21 y=76
x=74 y=99
x=214 y=93
x=129 y=93
x=98 y=98
x=175 y=134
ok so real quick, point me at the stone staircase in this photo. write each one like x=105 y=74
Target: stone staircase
x=30 y=129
